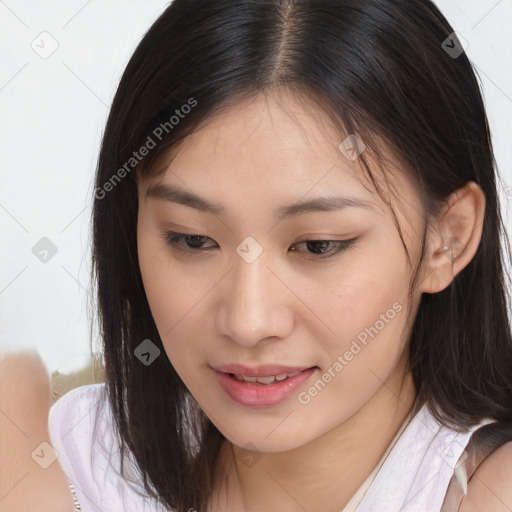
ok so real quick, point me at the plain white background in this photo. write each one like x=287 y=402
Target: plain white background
x=53 y=110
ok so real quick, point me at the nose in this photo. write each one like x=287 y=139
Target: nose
x=255 y=304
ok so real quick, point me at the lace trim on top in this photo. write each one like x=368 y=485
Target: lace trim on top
x=77 y=507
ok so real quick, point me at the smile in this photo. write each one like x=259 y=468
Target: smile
x=262 y=391
x=264 y=380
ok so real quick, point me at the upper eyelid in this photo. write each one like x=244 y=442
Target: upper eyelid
x=340 y=244
x=311 y=239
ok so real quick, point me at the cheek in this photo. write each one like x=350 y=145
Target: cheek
x=366 y=308
x=171 y=307
x=357 y=295
x=164 y=289
x=175 y=296
x=168 y=290
x=365 y=351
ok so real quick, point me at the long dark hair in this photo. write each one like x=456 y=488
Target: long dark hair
x=377 y=69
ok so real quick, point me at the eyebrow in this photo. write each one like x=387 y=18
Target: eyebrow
x=178 y=195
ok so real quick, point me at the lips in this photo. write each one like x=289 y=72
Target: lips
x=261 y=386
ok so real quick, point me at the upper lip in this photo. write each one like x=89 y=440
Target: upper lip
x=266 y=370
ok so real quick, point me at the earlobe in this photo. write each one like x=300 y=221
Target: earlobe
x=455 y=237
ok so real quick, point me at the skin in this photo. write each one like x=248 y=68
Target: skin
x=212 y=307
x=489 y=488
x=25 y=401
x=248 y=315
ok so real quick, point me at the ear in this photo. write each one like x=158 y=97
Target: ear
x=453 y=239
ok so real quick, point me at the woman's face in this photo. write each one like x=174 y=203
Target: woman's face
x=251 y=291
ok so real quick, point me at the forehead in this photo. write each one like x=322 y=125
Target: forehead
x=268 y=149
x=268 y=138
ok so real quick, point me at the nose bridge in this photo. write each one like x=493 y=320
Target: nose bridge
x=253 y=304
x=251 y=282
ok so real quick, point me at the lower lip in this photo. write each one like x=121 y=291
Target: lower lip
x=261 y=395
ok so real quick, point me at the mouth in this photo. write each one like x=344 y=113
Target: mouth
x=263 y=374
x=264 y=370
x=264 y=380
x=262 y=386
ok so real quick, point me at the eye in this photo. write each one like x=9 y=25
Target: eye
x=321 y=249
x=175 y=240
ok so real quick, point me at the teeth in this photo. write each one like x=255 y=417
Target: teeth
x=265 y=380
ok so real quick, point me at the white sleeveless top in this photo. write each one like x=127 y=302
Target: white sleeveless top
x=412 y=476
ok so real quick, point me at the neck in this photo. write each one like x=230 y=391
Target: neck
x=323 y=474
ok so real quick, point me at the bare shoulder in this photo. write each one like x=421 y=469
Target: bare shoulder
x=490 y=487
x=25 y=387
x=16 y=364
x=29 y=478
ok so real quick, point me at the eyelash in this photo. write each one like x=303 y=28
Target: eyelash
x=174 y=238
